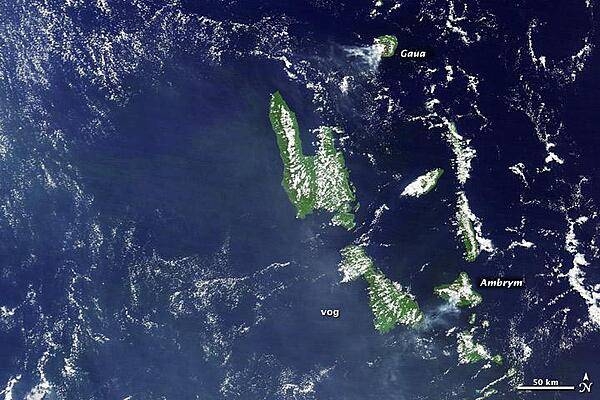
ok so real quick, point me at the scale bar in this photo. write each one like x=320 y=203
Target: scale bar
x=546 y=387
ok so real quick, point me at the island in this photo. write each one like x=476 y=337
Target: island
x=463 y=152
x=387 y=44
x=459 y=293
x=470 y=351
x=423 y=184
x=466 y=230
x=319 y=182
x=390 y=304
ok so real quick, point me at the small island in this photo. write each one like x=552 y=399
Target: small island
x=423 y=184
x=470 y=351
x=387 y=44
x=459 y=293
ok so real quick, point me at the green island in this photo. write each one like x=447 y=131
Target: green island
x=423 y=184
x=390 y=305
x=466 y=230
x=388 y=45
x=460 y=292
x=463 y=152
x=319 y=182
x=355 y=263
x=470 y=351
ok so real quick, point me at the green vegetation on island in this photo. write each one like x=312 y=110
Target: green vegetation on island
x=460 y=292
x=319 y=182
x=469 y=351
x=390 y=305
x=355 y=263
x=387 y=44
x=497 y=359
x=423 y=184
x=466 y=230
x=335 y=193
x=463 y=152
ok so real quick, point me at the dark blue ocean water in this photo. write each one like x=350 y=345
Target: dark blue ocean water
x=181 y=272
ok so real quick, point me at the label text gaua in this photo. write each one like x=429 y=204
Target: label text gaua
x=405 y=53
x=330 y=313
